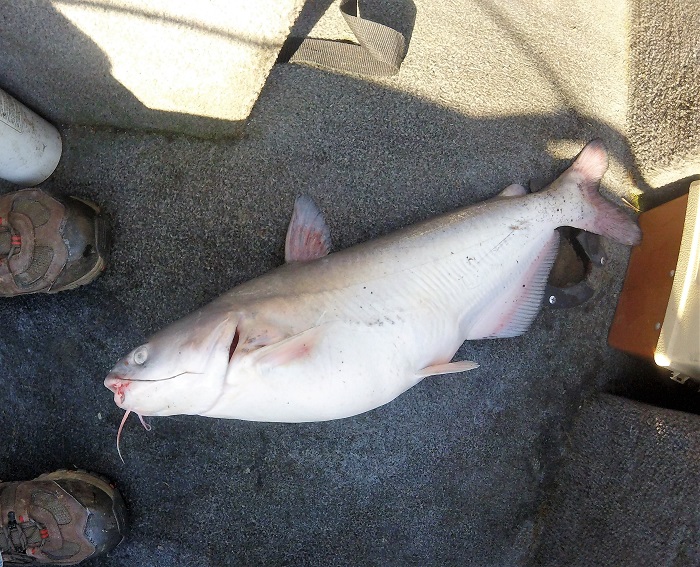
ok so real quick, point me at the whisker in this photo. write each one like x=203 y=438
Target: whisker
x=146 y=426
x=119 y=433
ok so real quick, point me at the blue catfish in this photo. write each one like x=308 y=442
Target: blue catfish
x=328 y=336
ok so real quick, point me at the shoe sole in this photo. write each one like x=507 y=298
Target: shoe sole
x=100 y=265
x=100 y=482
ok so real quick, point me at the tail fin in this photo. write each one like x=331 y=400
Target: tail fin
x=600 y=215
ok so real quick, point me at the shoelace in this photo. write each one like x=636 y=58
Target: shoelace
x=17 y=536
x=11 y=241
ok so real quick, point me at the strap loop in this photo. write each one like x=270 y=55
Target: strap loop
x=380 y=52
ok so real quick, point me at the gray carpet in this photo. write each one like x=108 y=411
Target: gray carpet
x=664 y=111
x=627 y=493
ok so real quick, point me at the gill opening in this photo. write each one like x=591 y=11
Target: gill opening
x=234 y=345
x=146 y=426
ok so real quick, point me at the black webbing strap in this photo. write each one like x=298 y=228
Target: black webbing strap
x=380 y=51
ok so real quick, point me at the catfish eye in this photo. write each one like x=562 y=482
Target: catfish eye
x=140 y=355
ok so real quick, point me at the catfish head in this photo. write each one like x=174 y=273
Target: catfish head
x=180 y=370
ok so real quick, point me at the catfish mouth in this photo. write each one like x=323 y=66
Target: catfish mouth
x=114 y=377
x=120 y=384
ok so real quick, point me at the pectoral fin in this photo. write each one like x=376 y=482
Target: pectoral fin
x=447 y=368
x=308 y=236
x=290 y=349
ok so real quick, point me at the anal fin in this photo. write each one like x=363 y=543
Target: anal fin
x=511 y=313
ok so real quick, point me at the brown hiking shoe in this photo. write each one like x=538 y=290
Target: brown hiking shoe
x=49 y=243
x=59 y=518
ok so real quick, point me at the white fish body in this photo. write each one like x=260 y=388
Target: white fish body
x=347 y=332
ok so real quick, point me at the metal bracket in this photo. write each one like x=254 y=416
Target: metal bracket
x=588 y=247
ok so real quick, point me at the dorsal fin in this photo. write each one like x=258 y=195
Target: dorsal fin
x=308 y=236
